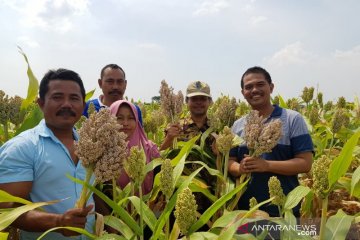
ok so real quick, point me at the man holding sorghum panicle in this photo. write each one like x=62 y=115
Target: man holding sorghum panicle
x=34 y=164
x=291 y=155
x=198 y=100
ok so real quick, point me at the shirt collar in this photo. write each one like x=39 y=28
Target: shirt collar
x=100 y=102
x=44 y=131
x=276 y=112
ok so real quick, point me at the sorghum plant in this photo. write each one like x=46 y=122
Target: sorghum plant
x=101 y=149
x=171 y=104
x=135 y=169
x=223 y=113
x=276 y=191
x=185 y=210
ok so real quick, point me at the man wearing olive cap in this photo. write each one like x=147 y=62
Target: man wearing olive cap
x=198 y=100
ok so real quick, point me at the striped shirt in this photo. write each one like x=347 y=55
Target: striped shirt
x=295 y=140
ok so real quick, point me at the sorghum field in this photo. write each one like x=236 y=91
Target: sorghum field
x=329 y=194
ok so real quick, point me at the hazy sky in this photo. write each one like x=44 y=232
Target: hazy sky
x=301 y=43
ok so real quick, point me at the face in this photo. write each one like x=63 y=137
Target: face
x=126 y=118
x=257 y=90
x=62 y=105
x=113 y=84
x=198 y=105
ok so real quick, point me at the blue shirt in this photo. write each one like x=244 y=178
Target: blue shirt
x=98 y=105
x=37 y=155
x=295 y=139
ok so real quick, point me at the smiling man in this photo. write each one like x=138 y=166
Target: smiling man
x=113 y=84
x=292 y=154
x=34 y=164
x=198 y=100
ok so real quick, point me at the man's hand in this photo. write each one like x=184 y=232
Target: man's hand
x=75 y=217
x=254 y=164
x=173 y=130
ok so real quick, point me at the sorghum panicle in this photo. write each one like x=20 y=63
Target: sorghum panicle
x=224 y=141
x=293 y=104
x=185 y=210
x=269 y=137
x=135 y=164
x=276 y=191
x=308 y=94
x=153 y=121
x=320 y=99
x=320 y=170
x=10 y=109
x=223 y=113
x=166 y=178
x=328 y=106
x=339 y=120
x=252 y=202
x=314 y=116
x=101 y=146
x=341 y=103
x=171 y=104
x=254 y=124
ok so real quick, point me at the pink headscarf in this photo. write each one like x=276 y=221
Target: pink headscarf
x=138 y=138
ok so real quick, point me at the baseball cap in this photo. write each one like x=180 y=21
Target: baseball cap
x=198 y=88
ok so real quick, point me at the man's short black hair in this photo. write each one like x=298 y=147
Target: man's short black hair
x=59 y=74
x=259 y=70
x=112 y=66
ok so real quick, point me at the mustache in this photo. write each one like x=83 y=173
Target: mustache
x=66 y=111
x=115 y=91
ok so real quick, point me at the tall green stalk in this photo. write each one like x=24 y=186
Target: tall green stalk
x=167 y=226
x=324 y=208
x=226 y=163
x=114 y=193
x=141 y=213
x=80 y=203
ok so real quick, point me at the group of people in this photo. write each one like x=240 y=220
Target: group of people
x=33 y=164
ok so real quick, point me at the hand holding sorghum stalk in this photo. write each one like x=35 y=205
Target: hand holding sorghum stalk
x=171 y=104
x=320 y=171
x=135 y=169
x=185 y=210
x=101 y=149
x=276 y=191
x=260 y=137
x=167 y=186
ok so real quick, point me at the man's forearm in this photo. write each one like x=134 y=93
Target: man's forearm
x=167 y=143
x=37 y=221
x=289 y=167
x=234 y=168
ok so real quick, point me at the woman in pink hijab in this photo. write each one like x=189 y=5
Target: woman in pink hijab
x=127 y=116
